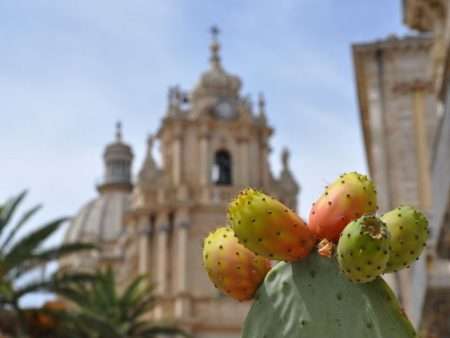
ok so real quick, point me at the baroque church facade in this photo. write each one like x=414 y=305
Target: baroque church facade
x=213 y=144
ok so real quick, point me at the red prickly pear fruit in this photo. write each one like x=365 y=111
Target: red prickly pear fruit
x=231 y=267
x=268 y=227
x=351 y=196
x=363 y=249
x=409 y=233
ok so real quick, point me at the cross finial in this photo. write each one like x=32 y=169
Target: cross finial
x=285 y=158
x=261 y=102
x=118 y=131
x=214 y=32
x=215 y=47
x=150 y=141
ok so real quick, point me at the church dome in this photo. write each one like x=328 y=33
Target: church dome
x=100 y=220
x=216 y=81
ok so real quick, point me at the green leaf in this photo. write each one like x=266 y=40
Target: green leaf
x=8 y=209
x=53 y=284
x=23 y=220
x=47 y=255
x=162 y=330
x=23 y=249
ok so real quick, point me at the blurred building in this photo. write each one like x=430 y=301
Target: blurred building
x=213 y=144
x=402 y=93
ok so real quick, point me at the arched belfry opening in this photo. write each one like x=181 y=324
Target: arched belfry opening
x=222 y=168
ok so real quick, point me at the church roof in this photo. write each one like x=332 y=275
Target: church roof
x=216 y=81
x=100 y=220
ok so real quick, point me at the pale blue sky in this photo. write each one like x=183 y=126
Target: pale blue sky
x=70 y=69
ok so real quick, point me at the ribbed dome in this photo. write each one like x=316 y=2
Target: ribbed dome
x=100 y=220
x=217 y=80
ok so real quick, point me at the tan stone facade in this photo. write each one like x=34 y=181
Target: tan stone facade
x=213 y=144
x=402 y=90
x=398 y=116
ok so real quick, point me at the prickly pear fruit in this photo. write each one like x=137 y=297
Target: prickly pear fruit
x=233 y=268
x=351 y=196
x=269 y=228
x=409 y=233
x=363 y=249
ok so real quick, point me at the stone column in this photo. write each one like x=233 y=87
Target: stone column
x=243 y=161
x=182 y=224
x=144 y=244
x=204 y=156
x=265 y=150
x=176 y=156
x=423 y=166
x=161 y=253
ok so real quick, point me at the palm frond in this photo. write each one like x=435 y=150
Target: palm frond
x=8 y=209
x=53 y=284
x=22 y=221
x=156 y=331
x=25 y=247
x=47 y=255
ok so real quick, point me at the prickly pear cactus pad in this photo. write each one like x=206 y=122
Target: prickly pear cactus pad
x=312 y=299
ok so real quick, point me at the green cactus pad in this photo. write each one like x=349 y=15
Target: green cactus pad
x=312 y=299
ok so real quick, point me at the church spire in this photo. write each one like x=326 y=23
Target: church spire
x=118 y=158
x=262 y=108
x=149 y=171
x=286 y=177
x=118 y=131
x=215 y=48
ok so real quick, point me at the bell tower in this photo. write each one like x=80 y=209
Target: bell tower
x=213 y=143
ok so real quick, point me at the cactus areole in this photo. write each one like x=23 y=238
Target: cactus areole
x=313 y=299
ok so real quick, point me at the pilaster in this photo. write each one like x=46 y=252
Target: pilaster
x=243 y=160
x=177 y=155
x=161 y=253
x=144 y=245
x=204 y=156
x=182 y=222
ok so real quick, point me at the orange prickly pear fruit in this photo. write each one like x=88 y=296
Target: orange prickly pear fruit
x=348 y=198
x=233 y=268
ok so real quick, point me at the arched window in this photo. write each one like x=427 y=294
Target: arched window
x=222 y=168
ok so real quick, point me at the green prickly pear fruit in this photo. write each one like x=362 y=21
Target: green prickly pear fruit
x=351 y=196
x=233 y=268
x=409 y=233
x=268 y=227
x=363 y=249
x=312 y=299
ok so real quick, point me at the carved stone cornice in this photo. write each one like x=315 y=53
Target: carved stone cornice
x=395 y=43
x=423 y=14
x=403 y=88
